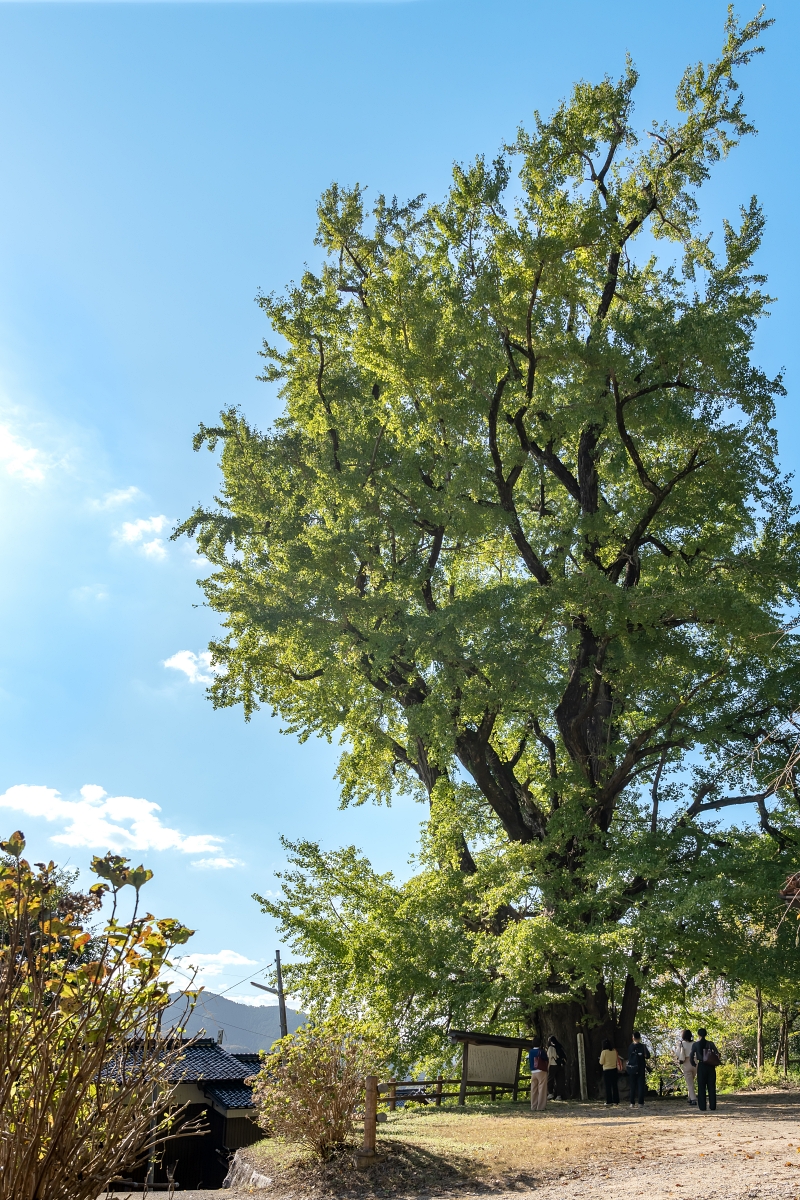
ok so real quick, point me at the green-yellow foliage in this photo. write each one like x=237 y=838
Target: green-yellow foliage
x=520 y=539
x=311 y=1084
x=85 y=1071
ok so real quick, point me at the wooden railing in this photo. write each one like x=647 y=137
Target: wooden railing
x=425 y=1090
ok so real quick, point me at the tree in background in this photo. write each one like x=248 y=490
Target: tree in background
x=85 y=1072
x=729 y=957
x=520 y=539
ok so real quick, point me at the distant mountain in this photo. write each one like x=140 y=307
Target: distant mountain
x=245 y=1028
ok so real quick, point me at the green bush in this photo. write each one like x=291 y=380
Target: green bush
x=730 y=1077
x=311 y=1083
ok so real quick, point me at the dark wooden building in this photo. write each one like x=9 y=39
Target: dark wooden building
x=212 y=1082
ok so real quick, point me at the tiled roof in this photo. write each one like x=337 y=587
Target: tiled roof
x=250 y=1060
x=207 y=1061
x=230 y=1097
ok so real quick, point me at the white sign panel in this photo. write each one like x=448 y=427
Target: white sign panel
x=491 y=1064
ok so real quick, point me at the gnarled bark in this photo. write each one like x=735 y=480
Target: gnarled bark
x=593 y=1017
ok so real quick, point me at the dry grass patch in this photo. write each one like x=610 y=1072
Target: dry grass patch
x=505 y=1140
x=485 y=1148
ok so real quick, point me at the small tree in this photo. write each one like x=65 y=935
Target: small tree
x=310 y=1085
x=85 y=1071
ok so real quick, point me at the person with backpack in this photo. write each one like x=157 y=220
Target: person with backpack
x=540 y=1069
x=608 y=1061
x=705 y=1056
x=686 y=1065
x=638 y=1055
x=557 y=1058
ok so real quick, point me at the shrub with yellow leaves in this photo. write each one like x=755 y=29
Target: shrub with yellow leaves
x=311 y=1083
x=86 y=1073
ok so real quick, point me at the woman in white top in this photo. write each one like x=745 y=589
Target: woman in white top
x=685 y=1063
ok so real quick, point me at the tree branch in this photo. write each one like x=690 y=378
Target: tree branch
x=430 y=567
x=334 y=436
x=544 y=456
x=615 y=569
x=529 y=332
x=654 y=791
x=698 y=806
x=505 y=493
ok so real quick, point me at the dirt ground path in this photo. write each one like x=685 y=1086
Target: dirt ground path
x=748 y=1150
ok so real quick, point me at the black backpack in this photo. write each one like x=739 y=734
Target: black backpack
x=635 y=1058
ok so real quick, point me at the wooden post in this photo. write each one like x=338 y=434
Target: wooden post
x=392 y=1095
x=516 y=1076
x=582 y=1067
x=759 y=1031
x=462 y=1091
x=438 y=1091
x=366 y=1154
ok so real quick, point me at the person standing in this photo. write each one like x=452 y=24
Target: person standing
x=556 y=1061
x=608 y=1061
x=705 y=1057
x=638 y=1055
x=540 y=1069
x=686 y=1065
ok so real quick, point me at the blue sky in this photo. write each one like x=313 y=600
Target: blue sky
x=160 y=164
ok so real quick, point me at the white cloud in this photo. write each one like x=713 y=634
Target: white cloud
x=196 y=667
x=256 y=1000
x=155 y=549
x=23 y=461
x=134 y=533
x=217 y=864
x=120 y=823
x=89 y=592
x=116 y=498
x=212 y=966
x=215 y=964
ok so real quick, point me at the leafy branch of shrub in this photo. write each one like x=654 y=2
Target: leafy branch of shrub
x=310 y=1085
x=86 y=1073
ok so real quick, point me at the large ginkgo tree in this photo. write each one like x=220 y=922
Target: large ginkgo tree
x=520 y=539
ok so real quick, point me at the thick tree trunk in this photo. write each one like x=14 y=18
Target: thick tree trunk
x=592 y=1017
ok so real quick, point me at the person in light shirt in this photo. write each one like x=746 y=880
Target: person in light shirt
x=608 y=1061
x=686 y=1065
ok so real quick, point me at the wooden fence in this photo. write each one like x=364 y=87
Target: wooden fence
x=421 y=1091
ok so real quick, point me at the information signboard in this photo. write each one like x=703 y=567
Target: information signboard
x=492 y=1064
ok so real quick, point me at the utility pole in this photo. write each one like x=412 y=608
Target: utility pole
x=278 y=991
x=281 y=997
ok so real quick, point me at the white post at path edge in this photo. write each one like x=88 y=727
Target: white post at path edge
x=582 y=1067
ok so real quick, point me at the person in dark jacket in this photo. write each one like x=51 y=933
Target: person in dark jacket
x=705 y=1057
x=638 y=1055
